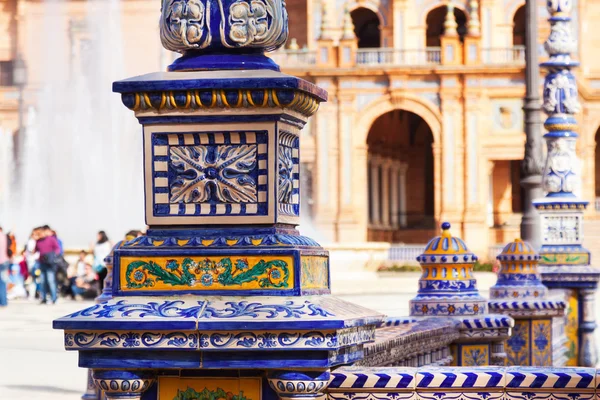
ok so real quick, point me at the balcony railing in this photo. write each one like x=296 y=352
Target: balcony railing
x=494 y=251
x=430 y=56
x=504 y=55
x=405 y=252
x=292 y=58
x=388 y=56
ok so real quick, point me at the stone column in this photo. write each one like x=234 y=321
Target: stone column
x=374 y=170
x=490 y=199
x=361 y=173
x=452 y=169
x=531 y=167
x=326 y=151
x=588 y=352
x=346 y=224
x=402 y=184
x=399 y=26
x=385 y=193
x=395 y=194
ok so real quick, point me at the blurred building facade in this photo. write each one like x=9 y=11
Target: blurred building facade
x=424 y=121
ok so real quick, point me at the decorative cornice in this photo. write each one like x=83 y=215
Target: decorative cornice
x=165 y=101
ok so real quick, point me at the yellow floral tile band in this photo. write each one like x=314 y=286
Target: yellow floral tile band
x=206 y=273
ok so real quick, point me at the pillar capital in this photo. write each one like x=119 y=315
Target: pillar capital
x=299 y=385
x=121 y=384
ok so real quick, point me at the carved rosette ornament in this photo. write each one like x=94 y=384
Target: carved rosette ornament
x=190 y=25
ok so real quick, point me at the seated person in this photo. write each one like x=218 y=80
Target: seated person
x=77 y=269
x=86 y=285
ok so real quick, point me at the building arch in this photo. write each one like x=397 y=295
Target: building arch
x=434 y=24
x=407 y=102
x=408 y=229
x=519 y=23
x=374 y=6
x=512 y=8
x=367 y=27
x=430 y=5
x=400 y=177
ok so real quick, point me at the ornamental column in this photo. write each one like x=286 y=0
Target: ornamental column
x=519 y=292
x=565 y=263
x=448 y=289
x=223 y=279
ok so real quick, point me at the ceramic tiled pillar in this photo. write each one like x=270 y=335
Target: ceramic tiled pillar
x=223 y=287
x=448 y=289
x=519 y=292
x=565 y=263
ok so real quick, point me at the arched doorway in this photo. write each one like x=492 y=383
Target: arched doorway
x=435 y=25
x=400 y=177
x=519 y=27
x=366 y=28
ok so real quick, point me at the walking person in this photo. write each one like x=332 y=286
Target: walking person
x=101 y=250
x=48 y=248
x=4 y=266
x=33 y=265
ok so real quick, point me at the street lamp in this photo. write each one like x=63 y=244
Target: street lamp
x=20 y=80
x=531 y=167
x=19 y=72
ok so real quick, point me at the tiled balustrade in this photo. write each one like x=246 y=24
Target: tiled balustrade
x=463 y=383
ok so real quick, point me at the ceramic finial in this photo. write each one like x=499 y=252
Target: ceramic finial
x=348 y=24
x=325 y=28
x=450 y=24
x=473 y=26
x=293 y=44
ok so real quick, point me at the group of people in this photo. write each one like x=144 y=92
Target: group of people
x=41 y=271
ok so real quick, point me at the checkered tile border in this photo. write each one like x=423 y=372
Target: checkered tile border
x=161 y=142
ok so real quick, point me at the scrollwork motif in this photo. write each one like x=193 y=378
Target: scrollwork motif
x=286 y=166
x=166 y=309
x=245 y=309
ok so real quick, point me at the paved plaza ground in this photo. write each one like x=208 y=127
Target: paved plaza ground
x=35 y=366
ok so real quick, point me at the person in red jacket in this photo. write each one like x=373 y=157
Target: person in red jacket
x=48 y=248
